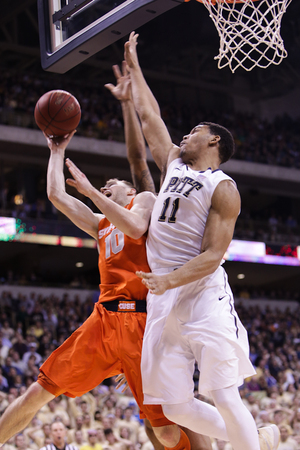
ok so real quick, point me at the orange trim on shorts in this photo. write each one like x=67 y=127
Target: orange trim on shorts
x=163 y=421
x=51 y=387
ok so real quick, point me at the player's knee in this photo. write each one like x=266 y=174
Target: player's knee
x=168 y=435
x=225 y=404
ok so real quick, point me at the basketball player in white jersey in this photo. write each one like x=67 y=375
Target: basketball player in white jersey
x=190 y=308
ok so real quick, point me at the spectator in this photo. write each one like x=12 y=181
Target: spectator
x=78 y=427
x=79 y=441
x=286 y=440
x=19 y=344
x=32 y=352
x=93 y=443
x=114 y=443
x=21 y=444
x=4 y=387
x=4 y=349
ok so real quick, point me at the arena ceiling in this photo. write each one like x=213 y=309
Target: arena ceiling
x=177 y=47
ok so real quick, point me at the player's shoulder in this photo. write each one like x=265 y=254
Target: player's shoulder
x=226 y=196
x=227 y=188
x=144 y=197
x=173 y=154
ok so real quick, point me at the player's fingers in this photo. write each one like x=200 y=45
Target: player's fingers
x=116 y=71
x=75 y=172
x=72 y=166
x=124 y=69
x=119 y=377
x=121 y=383
x=110 y=86
x=71 y=182
x=70 y=135
x=141 y=274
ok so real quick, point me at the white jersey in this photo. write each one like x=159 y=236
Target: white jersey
x=196 y=321
x=179 y=215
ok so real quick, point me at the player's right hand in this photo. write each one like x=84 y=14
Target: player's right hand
x=130 y=51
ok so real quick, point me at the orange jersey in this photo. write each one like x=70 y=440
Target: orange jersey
x=119 y=258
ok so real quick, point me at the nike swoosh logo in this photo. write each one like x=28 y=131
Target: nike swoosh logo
x=221 y=298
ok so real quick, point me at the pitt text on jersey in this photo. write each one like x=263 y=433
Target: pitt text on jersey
x=178 y=184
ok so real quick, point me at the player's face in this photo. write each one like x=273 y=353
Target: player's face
x=194 y=142
x=117 y=191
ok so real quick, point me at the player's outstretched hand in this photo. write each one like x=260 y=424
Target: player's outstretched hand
x=79 y=181
x=122 y=90
x=157 y=284
x=130 y=52
x=121 y=381
x=58 y=143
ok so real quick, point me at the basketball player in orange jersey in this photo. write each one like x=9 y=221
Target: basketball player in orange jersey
x=110 y=340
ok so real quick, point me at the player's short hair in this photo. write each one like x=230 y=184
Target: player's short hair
x=226 y=144
x=127 y=183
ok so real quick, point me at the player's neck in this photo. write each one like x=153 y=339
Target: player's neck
x=202 y=166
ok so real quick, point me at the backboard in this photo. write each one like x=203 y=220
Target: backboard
x=73 y=30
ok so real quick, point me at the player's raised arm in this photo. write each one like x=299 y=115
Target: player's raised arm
x=134 y=139
x=74 y=209
x=154 y=129
x=134 y=222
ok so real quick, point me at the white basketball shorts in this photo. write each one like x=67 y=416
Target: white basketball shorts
x=193 y=322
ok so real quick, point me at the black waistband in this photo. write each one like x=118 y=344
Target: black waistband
x=124 y=305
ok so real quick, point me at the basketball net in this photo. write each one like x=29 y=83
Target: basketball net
x=249 y=32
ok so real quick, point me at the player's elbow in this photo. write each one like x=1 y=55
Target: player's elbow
x=137 y=229
x=53 y=195
x=136 y=233
x=213 y=261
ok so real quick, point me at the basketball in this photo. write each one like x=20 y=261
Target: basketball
x=57 y=113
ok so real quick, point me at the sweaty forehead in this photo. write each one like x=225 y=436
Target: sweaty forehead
x=198 y=127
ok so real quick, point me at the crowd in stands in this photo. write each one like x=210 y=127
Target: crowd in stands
x=257 y=140
x=268 y=142
x=268 y=227
x=32 y=326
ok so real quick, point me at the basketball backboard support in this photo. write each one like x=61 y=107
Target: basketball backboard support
x=73 y=30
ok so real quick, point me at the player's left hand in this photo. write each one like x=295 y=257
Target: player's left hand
x=157 y=284
x=121 y=381
x=80 y=181
x=58 y=143
x=122 y=90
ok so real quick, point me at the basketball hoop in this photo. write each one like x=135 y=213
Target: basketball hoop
x=249 y=32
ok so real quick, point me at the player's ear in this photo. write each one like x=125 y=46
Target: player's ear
x=214 y=139
x=132 y=191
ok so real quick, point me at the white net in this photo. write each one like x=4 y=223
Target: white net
x=249 y=32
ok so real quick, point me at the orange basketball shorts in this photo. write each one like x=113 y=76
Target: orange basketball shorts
x=108 y=343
